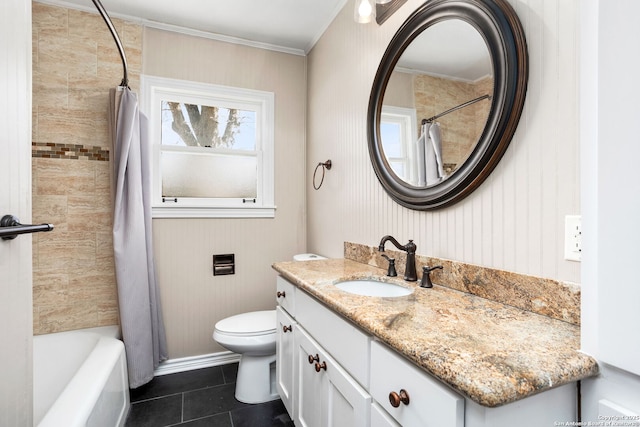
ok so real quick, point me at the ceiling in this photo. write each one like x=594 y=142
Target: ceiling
x=451 y=49
x=289 y=25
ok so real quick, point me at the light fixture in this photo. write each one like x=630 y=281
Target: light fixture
x=380 y=10
x=386 y=8
x=364 y=11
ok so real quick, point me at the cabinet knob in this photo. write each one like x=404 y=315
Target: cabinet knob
x=313 y=359
x=395 y=399
x=281 y=294
x=321 y=366
x=286 y=329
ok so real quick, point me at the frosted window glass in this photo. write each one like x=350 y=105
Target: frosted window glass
x=208 y=175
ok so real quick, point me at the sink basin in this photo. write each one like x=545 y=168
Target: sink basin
x=373 y=288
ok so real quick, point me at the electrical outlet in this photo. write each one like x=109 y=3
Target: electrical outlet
x=573 y=237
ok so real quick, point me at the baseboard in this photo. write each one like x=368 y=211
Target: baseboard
x=183 y=364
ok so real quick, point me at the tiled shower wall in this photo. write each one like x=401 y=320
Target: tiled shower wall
x=75 y=63
x=435 y=95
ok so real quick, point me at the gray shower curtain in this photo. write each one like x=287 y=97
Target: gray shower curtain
x=138 y=296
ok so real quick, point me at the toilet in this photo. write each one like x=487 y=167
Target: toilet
x=253 y=336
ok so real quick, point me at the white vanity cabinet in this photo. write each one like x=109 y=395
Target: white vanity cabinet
x=326 y=394
x=314 y=387
x=331 y=373
x=285 y=343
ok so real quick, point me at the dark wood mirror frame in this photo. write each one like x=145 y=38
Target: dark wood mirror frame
x=500 y=27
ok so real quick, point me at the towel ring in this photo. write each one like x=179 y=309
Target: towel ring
x=326 y=165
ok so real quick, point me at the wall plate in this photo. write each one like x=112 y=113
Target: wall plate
x=573 y=237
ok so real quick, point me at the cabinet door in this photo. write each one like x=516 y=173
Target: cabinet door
x=326 y=395
x=309 y=384
x=285 y=359
x=347 y=404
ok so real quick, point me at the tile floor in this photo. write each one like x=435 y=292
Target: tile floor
x=203 y=397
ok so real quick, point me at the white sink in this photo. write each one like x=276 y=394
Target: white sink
x=373 y=288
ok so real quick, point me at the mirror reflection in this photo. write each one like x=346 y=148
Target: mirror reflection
x=436 y=103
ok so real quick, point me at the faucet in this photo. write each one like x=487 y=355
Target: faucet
x=410 y=274
x=426 y=278
x=391 y=271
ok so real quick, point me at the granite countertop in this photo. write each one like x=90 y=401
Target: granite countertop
x=490 y=352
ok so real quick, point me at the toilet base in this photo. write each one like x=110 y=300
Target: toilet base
x=255 y=382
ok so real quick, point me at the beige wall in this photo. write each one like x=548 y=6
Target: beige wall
x=515 y=220
x=75 y=63
x=193 y=299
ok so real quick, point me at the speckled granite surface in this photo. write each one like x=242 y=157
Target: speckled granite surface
x=553 y=298
x=490 y=352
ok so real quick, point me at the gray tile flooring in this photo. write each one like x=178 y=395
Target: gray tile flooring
x=203 y=397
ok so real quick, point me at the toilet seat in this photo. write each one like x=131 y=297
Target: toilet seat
x=253 y=324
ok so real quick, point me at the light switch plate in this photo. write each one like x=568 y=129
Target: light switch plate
x=573 y=237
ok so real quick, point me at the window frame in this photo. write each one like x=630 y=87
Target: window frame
x=155 y=89
x=407 y=120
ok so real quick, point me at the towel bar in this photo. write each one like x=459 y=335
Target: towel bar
x=10 y=227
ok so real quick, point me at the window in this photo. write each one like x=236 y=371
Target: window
x=398 y=133
x=213 y=149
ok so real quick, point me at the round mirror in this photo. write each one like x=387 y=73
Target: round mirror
x=446 y=100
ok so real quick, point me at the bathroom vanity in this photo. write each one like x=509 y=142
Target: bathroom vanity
x=436 y=357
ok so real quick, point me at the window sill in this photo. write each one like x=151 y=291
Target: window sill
x=207 y=212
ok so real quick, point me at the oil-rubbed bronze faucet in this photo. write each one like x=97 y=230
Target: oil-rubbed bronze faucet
x=391 y=271
x=410 y=274
x=426 y=278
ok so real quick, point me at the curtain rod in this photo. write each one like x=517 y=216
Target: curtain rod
x=451 y=110
x=114 y=33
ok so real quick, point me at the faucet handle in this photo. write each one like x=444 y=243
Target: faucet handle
x=391 y=272
x=426 y=277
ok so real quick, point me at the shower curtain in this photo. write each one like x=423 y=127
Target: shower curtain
x=429 y=155
x=138 y=296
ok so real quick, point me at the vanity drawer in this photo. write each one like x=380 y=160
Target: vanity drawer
x=286 y=295
x=344 y=341
x=431 y=403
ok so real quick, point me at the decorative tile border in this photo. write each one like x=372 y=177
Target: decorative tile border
x=552 y=298
x=50 y=150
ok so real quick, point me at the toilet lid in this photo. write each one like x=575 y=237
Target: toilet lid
x=253 y=323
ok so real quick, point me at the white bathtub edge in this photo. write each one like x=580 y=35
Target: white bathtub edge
x=66 y=406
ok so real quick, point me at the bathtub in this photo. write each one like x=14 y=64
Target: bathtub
x=80 y=379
